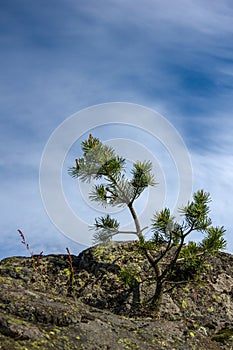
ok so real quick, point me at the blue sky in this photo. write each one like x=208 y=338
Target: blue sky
x=58 y=57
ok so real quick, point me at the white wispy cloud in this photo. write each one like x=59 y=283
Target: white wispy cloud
x=175 y=57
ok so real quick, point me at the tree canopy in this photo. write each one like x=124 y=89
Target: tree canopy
x=167 y=250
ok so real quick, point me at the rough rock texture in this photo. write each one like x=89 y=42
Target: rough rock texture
x=44 y=306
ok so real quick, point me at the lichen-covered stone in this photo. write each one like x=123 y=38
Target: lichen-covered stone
x=44 y=305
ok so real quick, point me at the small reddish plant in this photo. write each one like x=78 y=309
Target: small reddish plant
x=36 y=263
x=25 y=243
x=70 y=262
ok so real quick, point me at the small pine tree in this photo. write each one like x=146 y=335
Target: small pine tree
x=166 y=252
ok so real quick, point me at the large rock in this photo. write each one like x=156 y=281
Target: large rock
x=44 y=306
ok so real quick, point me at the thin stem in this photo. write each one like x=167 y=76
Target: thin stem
x=136 y=221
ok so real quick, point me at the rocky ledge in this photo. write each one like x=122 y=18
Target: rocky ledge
x=80 y=302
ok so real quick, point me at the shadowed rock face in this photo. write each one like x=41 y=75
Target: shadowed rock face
x=44 y=306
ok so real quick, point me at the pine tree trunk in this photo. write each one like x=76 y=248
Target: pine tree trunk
x=157 y=297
